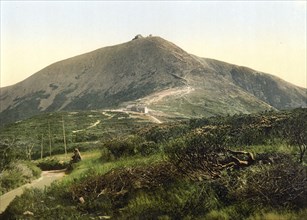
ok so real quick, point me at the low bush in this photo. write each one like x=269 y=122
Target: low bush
x=127 y=146
x=164 y=132
x=277 y=186
x=217 y=215
x=106 y=155
x=37 y=204
x=18 y=173
x=11 y=179
x=148 y=148
x=52 y=164
x=280 y=215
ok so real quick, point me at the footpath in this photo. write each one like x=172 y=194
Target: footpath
x=46 y=179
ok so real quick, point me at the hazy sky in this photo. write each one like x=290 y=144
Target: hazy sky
x=268 y=36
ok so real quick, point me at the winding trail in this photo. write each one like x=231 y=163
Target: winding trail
x=91 y=126
x=158 y=96
x=155 y=120
x=46 y=179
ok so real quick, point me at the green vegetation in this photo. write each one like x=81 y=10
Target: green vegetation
x=236 y=167
x=16 y=174
x=51 y=163
x=43 y=135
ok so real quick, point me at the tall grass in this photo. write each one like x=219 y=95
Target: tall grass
x=17 y=174
x=92 y=165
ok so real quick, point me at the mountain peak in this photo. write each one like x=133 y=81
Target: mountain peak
x=139 y=36
x=146 y=70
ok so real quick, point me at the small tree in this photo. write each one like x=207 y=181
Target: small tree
x=49 y=135
x=7 y=152
x=11 y=149
x=29 y=149
x=296 y=132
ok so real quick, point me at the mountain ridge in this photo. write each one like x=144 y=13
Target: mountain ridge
x=113 y=76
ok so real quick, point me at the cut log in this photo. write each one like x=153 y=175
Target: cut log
x=236 y=162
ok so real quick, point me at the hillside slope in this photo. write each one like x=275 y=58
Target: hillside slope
x=139 y=71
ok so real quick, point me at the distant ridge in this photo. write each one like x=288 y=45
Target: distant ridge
x=150 y=71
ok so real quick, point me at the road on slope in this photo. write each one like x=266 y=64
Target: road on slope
x=155 y=120
x=46 y=179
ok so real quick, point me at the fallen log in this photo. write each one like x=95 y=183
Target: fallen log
x=236 y=162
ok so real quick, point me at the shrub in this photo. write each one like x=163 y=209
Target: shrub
x=165 y=132
x=11 y=179
x=121 y=147
x=52 y=164
x=17 y=174
x=147 y=148
x=217 y=215
x=41 y=205
x=200 y=153
x=276 y=186
x=280 y=186
x=106 y=155
x=164 y=201
x=36 y=171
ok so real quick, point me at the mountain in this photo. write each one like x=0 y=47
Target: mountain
x=149 y=71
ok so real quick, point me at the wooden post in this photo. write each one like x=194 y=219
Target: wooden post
x=64 y=137
x=49 y=138
x=42 y=146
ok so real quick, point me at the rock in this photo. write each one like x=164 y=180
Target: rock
x=105 y=217
x=28 y=213
x=81 y=200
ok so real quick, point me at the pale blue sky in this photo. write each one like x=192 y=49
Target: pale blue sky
x=269 y=36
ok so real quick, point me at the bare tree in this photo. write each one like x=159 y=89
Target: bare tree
x=42 y=147
x=49 y=134
x=296 y=133
x=64 y=137
x=29 y=151
x=7 y=154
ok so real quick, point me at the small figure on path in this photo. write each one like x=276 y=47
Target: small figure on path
x=76 y=157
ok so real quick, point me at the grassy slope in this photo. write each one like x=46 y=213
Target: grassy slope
x=91 y=127
x=166 y=202
x=176 y=199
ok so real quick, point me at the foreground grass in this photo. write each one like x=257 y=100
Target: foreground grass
x=186 y=172
x=56 y=202
x=92 y=164
x=175 y=199
x=16 y=174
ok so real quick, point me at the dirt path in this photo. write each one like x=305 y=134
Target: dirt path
x=156 y=97
x=46 y=179
x=155 y=120
x=91 y=126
